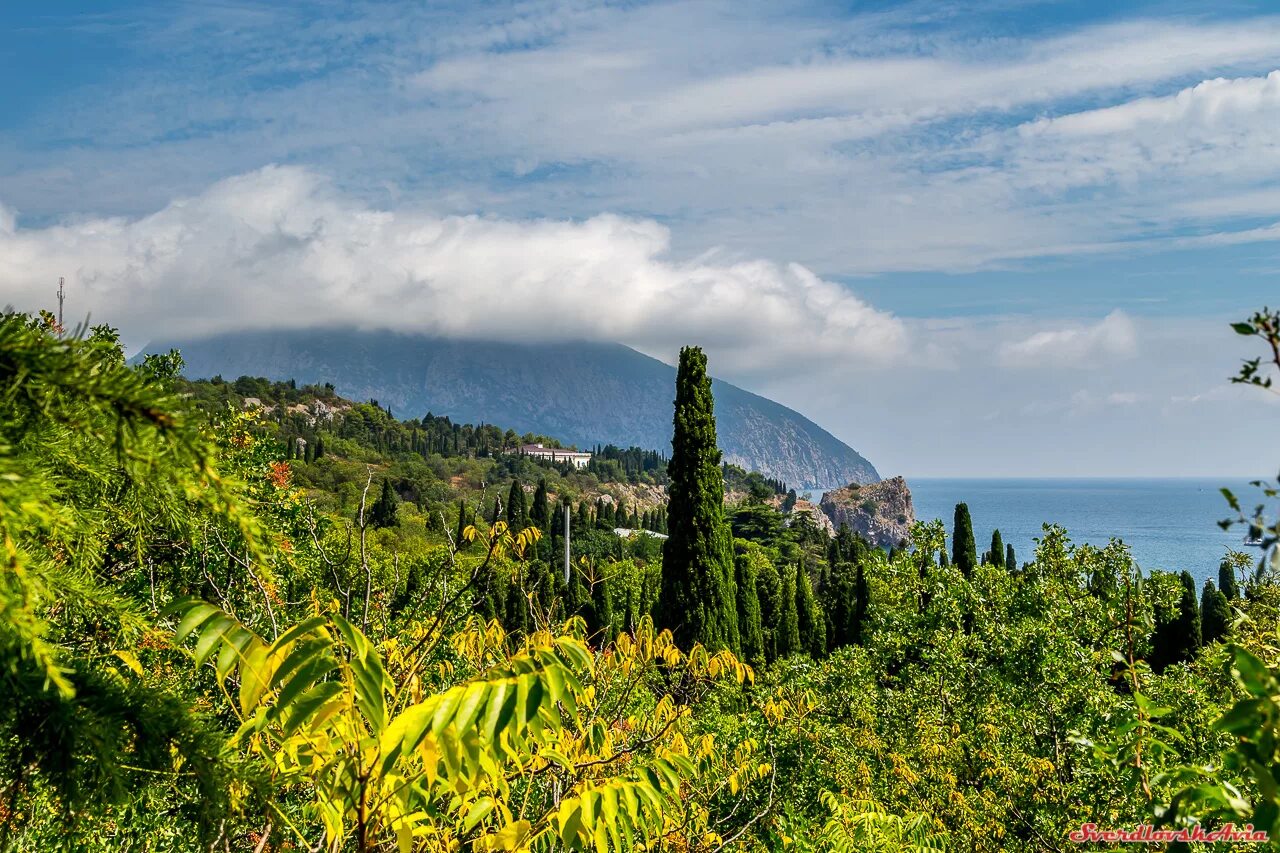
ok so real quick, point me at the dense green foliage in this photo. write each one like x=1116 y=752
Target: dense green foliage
x=213 y=641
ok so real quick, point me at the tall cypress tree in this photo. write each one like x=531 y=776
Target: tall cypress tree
x=517 y=508
x=1189 y=619
x=319 y=447
x=1215 y=614
x=464 y=520
x=540 y=512
x=1227 y=580
x=964 y=551
x=810 y=627
x=769 y=592
x=788 y=617
x=698 y=602
x=385 y=511
x=841 y=600
x=863 y=605
x=750 y=631
x=997 y=549
x=1010 y=559
x=602 y=608
x=1178 y=635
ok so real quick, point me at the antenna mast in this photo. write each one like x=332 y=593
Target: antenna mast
x=61 y=295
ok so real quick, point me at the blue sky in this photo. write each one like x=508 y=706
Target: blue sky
x=998 y=238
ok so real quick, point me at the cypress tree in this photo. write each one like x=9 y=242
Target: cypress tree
x=464 y=519
x=319 y=447
x=1010 y=559
x=698 y=602
x=1189 y=619
x=1177 y=636
x=540 y=512
x=997 y=550
x=1215 y=614
x=602 y=608
x=863 y=599
x=769 y=593
x=1227 y=580
x=491 y=595
x=385 y=511
x=517 y=508
x=750 y=631
x=788 y=617
x=964 y=551
x=517 y=615
x=810 y=627
x=841 y=598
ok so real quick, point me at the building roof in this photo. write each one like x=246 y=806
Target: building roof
x=558 y=451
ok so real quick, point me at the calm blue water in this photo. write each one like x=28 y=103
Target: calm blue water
x=1167 y=523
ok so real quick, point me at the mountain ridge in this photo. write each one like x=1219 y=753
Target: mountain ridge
x=580 y=392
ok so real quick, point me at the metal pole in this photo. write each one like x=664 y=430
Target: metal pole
x=566 y=542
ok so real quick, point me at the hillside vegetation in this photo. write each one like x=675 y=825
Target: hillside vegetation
x=216 y=637
x=584 y=393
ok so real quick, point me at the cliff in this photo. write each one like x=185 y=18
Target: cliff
x=880 y=513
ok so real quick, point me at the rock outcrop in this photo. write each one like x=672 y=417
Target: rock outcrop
x=880 y=513
x=815 y=513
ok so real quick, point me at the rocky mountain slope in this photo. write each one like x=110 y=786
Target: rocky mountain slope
x=880 y=513
x=585 y=393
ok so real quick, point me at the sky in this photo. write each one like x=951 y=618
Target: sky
x=969 y=239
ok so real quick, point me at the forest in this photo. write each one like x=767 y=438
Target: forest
x=251 y=616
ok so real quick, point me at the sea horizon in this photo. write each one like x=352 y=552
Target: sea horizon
x=1168 y=523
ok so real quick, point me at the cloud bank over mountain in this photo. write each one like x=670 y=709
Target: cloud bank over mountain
x=279 y=248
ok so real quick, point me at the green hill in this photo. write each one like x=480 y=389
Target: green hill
x=582 y=393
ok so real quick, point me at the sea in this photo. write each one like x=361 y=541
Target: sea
x=1168 y=524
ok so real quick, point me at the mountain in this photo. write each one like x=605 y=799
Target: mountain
x=581 y=393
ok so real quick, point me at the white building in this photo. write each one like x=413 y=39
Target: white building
x=556 y=454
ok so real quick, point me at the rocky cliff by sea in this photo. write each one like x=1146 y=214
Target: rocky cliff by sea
x=880 y=513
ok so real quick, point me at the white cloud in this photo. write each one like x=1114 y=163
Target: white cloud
x=1080 y=346
x=280 y=247
x=857 y=144
x=1211 y=103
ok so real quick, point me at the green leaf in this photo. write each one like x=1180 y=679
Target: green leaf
x=471 y=705
x=405 y=732
x=304 y=710
x=479 y=810
x=1244 y=329
x=1244 y=717
x=530 y=698
x=1253 y=674
x=571 y=825
x=306 y=676
x=306 y=626
x=557 y=758
x=234 y=643
x=502 y=703
x=194 y=618
x=212 y=635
